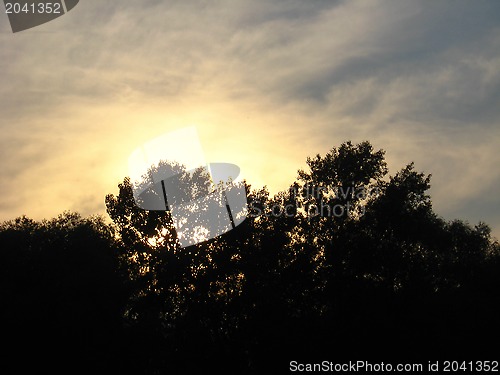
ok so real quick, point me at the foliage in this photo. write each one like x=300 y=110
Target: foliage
x=386 y=278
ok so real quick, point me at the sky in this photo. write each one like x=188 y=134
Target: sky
x=266 y=83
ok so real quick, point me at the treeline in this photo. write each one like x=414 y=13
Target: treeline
x=384 y=279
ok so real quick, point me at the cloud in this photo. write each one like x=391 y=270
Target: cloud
x=267 y=82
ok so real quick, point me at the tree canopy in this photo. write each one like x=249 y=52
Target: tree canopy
x=346 y=261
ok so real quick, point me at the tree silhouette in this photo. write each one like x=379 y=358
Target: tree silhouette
x=181 y=296
x=347 y=264
x=379 y=268
x=62 y=294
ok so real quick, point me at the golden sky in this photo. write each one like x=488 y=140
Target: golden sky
x=266 y=83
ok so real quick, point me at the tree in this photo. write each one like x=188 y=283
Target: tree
x=345 y=252
x=347 y=260
x=62 y=293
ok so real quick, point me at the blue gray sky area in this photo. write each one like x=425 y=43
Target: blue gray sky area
x=267 y=83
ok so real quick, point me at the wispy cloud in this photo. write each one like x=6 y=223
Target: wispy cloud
x=267 y=82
